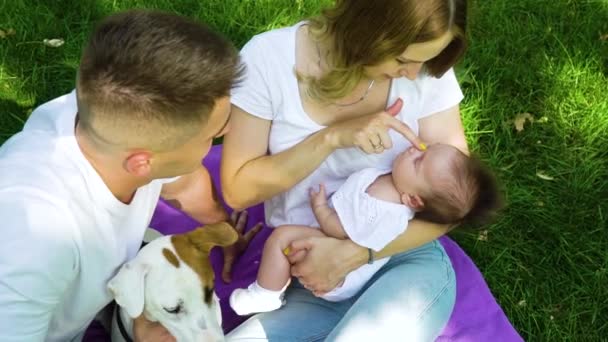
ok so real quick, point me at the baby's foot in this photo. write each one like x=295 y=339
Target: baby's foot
x=255 y=299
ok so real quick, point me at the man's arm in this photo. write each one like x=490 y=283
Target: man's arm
x=38 y=263
x=195 y=194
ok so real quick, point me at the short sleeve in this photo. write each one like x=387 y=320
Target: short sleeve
x=367 y=221
x=440 y=94
x=38 y=264
x=252 y=94
x=386 y=221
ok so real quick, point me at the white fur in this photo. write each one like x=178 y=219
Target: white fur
x=149 y=284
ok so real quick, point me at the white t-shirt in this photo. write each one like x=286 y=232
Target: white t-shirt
x=368 y=221
x=270 y=91
x=64 y=234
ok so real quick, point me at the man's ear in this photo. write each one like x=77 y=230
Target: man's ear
x=127 y=287
x=211 y=235
x=139 y=163
x=413 y=201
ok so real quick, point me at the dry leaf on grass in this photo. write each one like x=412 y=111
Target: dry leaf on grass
x=520 y=120
x=544 y=176
x=522 y=303
x=7 y=33
x=543 y=119
x=483 y=235
x=604 y=36
x=53 y=42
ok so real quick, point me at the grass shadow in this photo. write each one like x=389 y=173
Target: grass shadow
x=545 y=258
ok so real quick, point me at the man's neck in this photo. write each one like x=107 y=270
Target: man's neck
x=110 y=169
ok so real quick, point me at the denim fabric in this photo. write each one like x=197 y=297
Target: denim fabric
x=409 y=299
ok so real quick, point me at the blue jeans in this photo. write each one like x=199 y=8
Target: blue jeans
x=409 y=299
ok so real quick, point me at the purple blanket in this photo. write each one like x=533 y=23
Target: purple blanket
x=476 y=316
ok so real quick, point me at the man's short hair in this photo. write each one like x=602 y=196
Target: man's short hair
x=150 y=79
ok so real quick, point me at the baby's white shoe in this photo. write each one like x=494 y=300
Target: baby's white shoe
x=256 y=299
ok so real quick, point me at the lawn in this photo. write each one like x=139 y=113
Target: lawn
x=537 y=62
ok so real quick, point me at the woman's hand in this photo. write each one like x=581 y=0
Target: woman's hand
x=370 y=132
x=146 y=331
x=321 y=263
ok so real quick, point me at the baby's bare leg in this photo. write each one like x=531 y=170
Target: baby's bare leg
x=274 y=272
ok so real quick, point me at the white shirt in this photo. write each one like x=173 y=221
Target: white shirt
x=270 y=91
x=368 y=221
x=64 y=234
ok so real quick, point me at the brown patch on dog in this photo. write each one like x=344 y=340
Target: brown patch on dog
x=171 y=258
x=194 y=247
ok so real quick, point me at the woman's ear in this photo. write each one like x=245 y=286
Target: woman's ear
x=413 y=201
x=139 y=163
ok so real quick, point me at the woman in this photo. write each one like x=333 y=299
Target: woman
x=346 y=90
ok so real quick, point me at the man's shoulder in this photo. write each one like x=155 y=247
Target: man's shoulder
x=30 y=205
x=41 y=173
x=48 y=115
x=43 y=155
x=36 y=224
x=38 y=248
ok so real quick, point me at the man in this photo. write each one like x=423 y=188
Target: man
x=79 y=184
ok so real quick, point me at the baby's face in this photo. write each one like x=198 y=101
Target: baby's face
x=413 y=170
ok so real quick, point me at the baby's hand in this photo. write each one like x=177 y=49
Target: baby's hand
x=318 y=199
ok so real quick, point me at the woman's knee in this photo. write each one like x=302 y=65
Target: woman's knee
x=410 y=298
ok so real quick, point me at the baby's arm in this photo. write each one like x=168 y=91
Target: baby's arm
x=327 y=217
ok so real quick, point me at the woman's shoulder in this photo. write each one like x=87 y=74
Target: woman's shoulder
x=428 y=93
x=283 y=36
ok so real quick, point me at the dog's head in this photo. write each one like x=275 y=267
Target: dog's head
x=171 y=281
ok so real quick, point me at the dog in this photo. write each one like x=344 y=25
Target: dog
x=171 y=281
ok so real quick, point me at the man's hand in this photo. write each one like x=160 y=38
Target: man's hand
x=146 y=331
x=239 y=222
x=322 y=263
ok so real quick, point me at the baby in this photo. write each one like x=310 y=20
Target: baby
x=372 y=208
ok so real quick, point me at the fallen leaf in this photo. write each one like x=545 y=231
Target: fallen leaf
x=604 y=36
x=540 y=203
x=53 y=42
x=2 y=34
x=543 y=119
x=544 y=176
x=551 y=317
x=522 y=302
x=520 y=120
x=483 y=235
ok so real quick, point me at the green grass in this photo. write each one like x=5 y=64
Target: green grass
x=546 y=259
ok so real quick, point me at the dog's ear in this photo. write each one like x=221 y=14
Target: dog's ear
x=127 y=287
x=211 y=235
